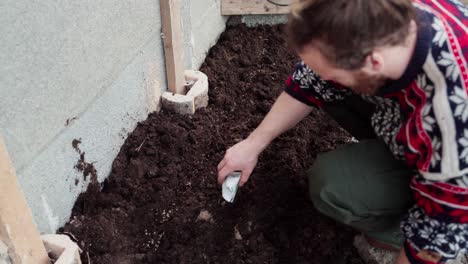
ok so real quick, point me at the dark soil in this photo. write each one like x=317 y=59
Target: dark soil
x=165 y=176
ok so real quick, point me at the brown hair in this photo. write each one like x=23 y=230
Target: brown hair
x=346 y=31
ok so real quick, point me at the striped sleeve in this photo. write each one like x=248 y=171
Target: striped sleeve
x=307 y=87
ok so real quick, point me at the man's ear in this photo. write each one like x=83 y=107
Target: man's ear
x=374 y=63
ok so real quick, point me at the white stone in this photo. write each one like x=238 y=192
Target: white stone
x=199 y=90
x=196 y=98
x=62 y=248
x=4 y=258
x=178 y=103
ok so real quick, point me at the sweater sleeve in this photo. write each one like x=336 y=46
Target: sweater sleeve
x=436 y=228
x=307 y=87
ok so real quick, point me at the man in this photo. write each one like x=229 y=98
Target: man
x=408 y=60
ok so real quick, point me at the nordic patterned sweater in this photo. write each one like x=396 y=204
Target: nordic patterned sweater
x=422 y=117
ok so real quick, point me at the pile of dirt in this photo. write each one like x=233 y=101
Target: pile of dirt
x=161 y=202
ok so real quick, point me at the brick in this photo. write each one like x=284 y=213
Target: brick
x=199 y=90
x=4 y=258
x=196 y=98
x=63 y=248
x=178 y=103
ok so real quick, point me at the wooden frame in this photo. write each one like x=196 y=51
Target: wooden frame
x=17 y=229
x=254 y=7
x=173 y=45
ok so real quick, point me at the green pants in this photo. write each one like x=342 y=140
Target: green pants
x=363 y=186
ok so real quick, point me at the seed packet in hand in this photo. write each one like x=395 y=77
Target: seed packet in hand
x=230 y=186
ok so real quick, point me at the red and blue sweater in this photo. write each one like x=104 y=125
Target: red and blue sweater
x=422 y=117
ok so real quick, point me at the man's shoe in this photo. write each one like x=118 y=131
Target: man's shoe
x=375 y=252
x=375 y=255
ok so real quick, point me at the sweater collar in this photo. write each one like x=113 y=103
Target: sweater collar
x=423 y=45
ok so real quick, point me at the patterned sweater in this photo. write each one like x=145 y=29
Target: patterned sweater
x=422 y=117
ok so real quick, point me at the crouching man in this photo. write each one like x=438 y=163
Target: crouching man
x=401 y=66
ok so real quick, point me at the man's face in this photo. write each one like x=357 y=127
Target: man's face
x=364 y=81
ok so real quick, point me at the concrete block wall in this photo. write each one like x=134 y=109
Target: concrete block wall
x=204 y=23
x=83 y=70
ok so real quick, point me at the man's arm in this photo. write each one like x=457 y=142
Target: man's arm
x=304 y=90
x=285 y=114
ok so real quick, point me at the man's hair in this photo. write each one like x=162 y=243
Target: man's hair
x=347 y=31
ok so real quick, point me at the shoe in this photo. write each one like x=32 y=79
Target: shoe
x=375 y=252
x=377 y=244
x=375 y=255
x=462 y=259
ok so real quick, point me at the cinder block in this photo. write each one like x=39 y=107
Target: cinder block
x=196 y=98
x=62 y=248
x=178 y=103
x=199 y=90
x=4 y=258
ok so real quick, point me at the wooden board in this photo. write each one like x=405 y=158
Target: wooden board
x=254 y=7
x=173 y=44
x=17 y=229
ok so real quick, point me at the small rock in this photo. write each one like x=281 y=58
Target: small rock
x=236 y=47
x=164 y=179
x=152 y=173
x=136 y=168
x=237 y=234
x=139 y=257
x=4 y=258
x=205 y=216
x=249 y=226
x=76 y=223
x=244 y=62
x=150 y=151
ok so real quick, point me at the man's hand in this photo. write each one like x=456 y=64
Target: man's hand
x=285 y=113
x=241 y=157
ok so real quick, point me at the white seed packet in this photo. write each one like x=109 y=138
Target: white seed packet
x=230 y=185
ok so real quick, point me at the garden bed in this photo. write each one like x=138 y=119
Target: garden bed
x=161 y=202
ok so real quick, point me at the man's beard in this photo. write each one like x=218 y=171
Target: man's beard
x=368 y=85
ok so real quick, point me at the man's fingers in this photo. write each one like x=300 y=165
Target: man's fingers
x=244 y=177
x=223 y=173
x=221 y=164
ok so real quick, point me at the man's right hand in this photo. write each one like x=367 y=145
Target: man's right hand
x=285 y=113
x=241 y=157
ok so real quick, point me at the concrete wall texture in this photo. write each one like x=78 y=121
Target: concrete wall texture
x=83 y=70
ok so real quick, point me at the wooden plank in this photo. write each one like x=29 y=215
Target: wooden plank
x=17 y=228
x=173 y=44
x=254 y=7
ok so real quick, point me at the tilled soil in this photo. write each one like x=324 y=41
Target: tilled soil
x=161 y=202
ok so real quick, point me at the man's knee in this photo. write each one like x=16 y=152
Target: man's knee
x=324 y=181
x=320 y=179
x=353 y=190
